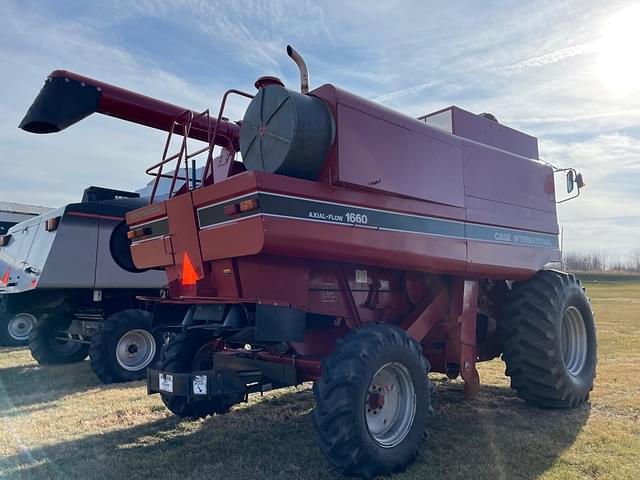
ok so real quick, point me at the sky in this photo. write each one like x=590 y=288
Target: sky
x=566 y=72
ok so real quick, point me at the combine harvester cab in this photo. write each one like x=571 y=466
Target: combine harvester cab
x=357 y=248
x=63 y=290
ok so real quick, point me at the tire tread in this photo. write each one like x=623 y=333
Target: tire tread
x=528 y=343
x=343 y=372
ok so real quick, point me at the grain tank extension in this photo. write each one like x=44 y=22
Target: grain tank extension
x=333 y=240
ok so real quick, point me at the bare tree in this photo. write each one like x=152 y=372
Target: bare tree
x=634 y=260
x=601 y=261
x=593 y=261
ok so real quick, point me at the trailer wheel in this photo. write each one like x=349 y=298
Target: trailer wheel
x=187 y=353
x=548 y=339
x=372 y=402
x=48 y=345
x=15 y=329
x=124 y=347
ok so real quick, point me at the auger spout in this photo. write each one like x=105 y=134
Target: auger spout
x=66 y=98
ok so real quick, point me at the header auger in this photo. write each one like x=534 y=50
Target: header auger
x=358 y=248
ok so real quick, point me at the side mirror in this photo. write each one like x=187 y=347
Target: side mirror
x=574 y=182
x=570 y=181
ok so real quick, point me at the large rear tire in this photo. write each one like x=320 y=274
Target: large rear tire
x=372 y=402
x=548 y=338
x=185 y=353
x=124 y=347
x=47 y=344
x=16 y=328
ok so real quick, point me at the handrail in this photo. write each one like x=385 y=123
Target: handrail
x=182 y=125
x=184 y=121
x=209 y=163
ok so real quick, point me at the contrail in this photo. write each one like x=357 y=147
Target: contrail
x=405 y=91
x=554 y=57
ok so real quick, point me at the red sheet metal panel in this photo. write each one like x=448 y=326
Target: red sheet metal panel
x=490 y=212
x=513 y=262
x=229 y=188
x=375 y=153
x=279 y=279
x=146 y=213
x=234 y=239
x=366 y=198
x=152 y=253
x=184 y=232
x=506 y=178
x=378 y=154
x=362 y=245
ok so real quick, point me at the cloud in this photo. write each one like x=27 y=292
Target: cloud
x=405 y=92
x=605 y=216
x=533 y=65
x=255 y=33
x=54 y=169
x=555 y=56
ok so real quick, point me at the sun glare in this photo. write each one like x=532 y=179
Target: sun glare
x=619 y=60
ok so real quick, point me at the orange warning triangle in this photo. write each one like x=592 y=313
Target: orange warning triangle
x=189 y=274
x=5 y=278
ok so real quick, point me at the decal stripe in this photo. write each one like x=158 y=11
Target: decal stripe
x=285 y=206
x=93 y=215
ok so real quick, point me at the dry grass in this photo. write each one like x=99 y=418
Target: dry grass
x=59 y=422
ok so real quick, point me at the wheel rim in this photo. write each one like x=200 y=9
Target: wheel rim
x=574 y=341
x=20 y=326
x=135 y=350
x=390 y=405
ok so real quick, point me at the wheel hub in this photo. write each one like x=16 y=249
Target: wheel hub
x=20 y=326
x=390 y=405
x=376 y=401
x=574 y=341
x=135 y=350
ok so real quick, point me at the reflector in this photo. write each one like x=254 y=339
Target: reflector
x=189 y=274
x=248 y=205
x=51 y=224
x=138 y=232
x=231 y=209
x=5 y=278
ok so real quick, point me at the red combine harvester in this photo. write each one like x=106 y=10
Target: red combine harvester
x=354 y=247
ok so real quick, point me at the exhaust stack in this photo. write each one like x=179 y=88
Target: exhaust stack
x=66 y=98
x=302 y=66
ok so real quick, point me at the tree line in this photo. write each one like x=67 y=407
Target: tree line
x=602 y=261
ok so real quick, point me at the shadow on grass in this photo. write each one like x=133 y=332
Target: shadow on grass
x=494 y=436
x=24 y=386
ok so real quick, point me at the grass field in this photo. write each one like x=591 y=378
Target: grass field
x=60 y=422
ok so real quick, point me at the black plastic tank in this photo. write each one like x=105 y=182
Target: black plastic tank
x=287 y=133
